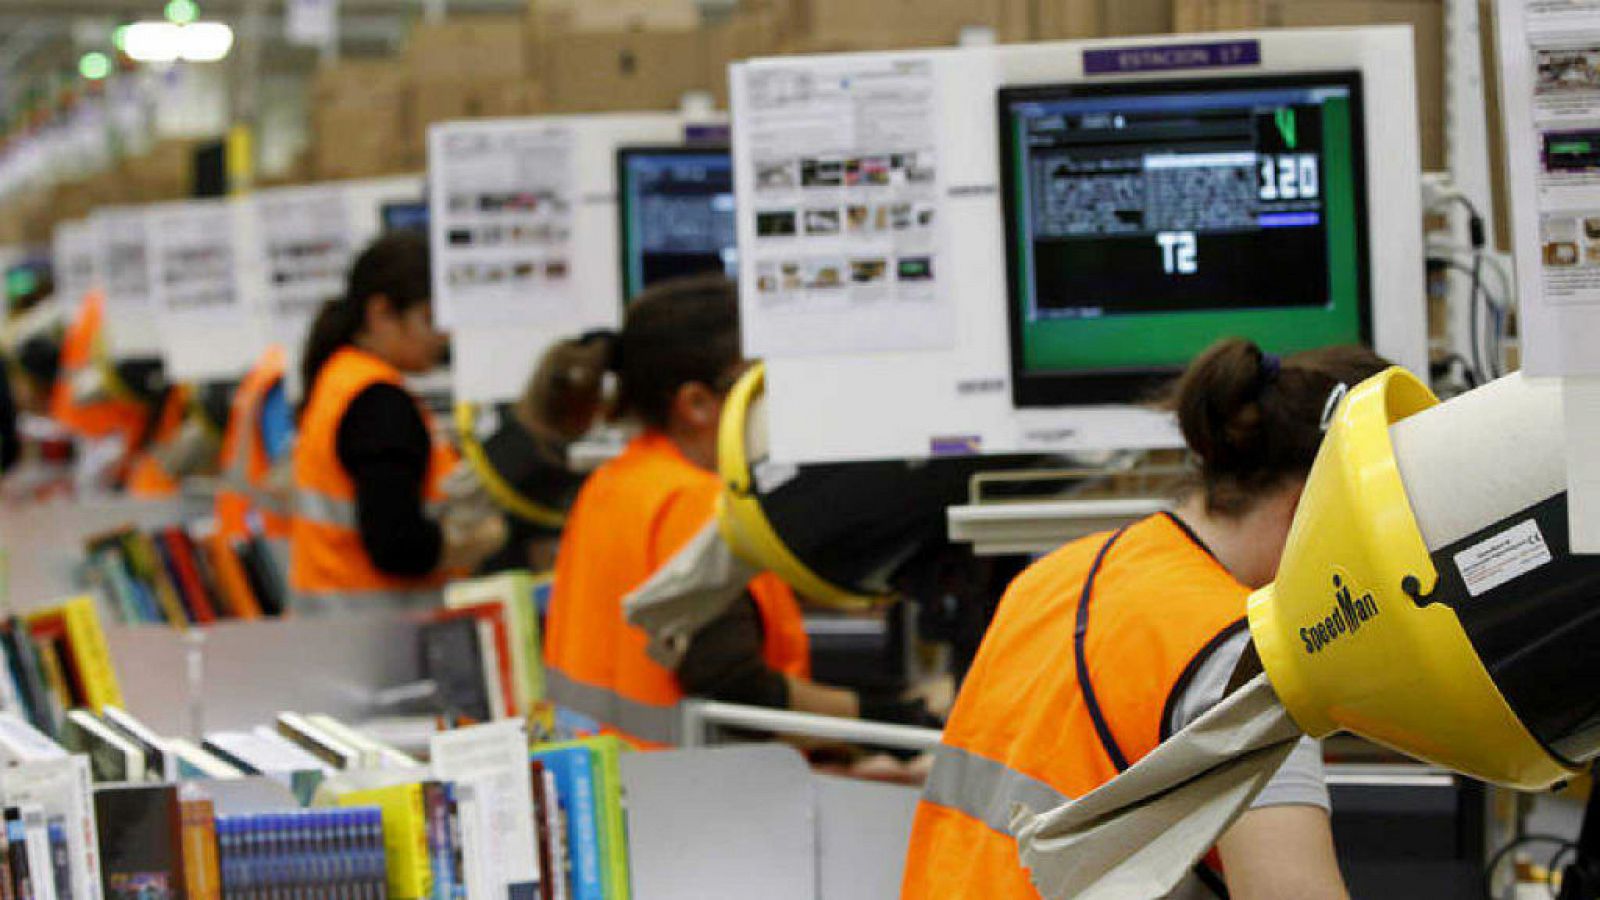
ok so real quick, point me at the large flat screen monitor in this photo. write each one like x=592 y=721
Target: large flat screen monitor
x=1147 y=219
x=676 y=213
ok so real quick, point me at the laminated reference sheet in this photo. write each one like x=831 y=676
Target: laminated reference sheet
x=1550 y=68
x=840 y=227
x=503 y=198
x=304 y=245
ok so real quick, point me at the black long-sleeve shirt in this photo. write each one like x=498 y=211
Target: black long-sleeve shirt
x=384 y=445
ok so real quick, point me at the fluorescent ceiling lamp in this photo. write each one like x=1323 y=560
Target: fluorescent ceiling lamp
x=205 y=41
x=164 y=42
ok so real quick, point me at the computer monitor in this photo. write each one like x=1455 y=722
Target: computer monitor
x=405 y=216
x=676 y=213
x=1146 y=219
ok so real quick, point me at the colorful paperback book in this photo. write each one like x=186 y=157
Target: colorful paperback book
x=88 y=654
x=574 y=770
x=158 y=760
x=112 y=758
x=201 y=869
x=64 y=789
x=409 y=872
x=141 y=842
x=611 y=817
x=515 y=593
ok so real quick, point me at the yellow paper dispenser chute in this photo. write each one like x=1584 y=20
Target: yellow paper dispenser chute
x=1478 y=656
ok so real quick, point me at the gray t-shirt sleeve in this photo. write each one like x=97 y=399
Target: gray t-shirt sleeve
x=1301 y=781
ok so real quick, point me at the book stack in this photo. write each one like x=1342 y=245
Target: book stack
x=182 y=576
x=316 y=854
x=49 y=847
x=578 y=794
x=482 y=651
x=52 y=661
x=422 y=838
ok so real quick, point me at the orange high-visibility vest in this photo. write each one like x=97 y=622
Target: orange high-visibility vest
x=245 y=464
x=632 y=515
x=326 y=558
x=1076 y=680
x=148 y=479
x=82 y=355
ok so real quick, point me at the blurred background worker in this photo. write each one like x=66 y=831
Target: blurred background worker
x=368 y=463
x=674 y=361
x=1109 y=645
x=259 y=435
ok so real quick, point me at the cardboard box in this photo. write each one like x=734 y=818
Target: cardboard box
x=913 y=23
x=551 y=18
x=354 y=143
x=359 y=84
x=619 y=71
x=469 y=48
x=1426 y=18
x=747 y=34
x=1065 y=20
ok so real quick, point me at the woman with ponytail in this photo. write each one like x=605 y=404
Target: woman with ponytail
x=672 y=365
x=1111 y=644
x=368 y=464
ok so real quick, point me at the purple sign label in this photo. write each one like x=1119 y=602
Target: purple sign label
x=1167 y=57
x=956 y=445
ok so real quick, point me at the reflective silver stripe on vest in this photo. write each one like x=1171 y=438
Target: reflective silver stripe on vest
x=984 y=789
x=315 y=506
x=314 y=603
x=658 y=724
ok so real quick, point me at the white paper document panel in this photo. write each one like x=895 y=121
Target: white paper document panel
x=524 y=232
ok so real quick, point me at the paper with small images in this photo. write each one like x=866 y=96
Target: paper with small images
x=194 y=269
x=840 y=229
x=122 y=254
x=304 y=246
x=502 y=220
x=1562 y=40
x=72 y=249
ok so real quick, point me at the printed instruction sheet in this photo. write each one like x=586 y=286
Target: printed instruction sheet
x=503 y=195
x=840 y=226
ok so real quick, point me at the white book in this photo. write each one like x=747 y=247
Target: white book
x=478 y=874
x=489 y=655
x=64 y=789
x=195 y=762
x=493 y=759
x=119 y=718
x=376 y=754
x=20 y=742
x=556 y=823
x=113 y=756
x=298 y=731
x=265 y=752
x=41 y=867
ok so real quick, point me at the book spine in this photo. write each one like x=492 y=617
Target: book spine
x=560 y=858
x=17 y=850
x=458 y=862
x=60 y=859
x=8 y=885
x=199 y=850
x=437 y=818
x=575 y=780
x=377 y=856
x=87 y=642
x=613 y=821
x=541 y=831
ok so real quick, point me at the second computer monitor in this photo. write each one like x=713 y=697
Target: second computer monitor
x=676 y=210
x=1147 y=219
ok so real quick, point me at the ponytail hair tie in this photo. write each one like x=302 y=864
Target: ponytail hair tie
x=1271 y=365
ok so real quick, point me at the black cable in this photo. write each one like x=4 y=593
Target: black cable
x=1494 y=306
x=1500 y=855
x=1555 y=868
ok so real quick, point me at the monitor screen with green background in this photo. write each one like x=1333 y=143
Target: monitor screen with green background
x=1145 y=220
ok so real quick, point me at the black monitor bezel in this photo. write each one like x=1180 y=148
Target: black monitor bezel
x=624 y=209
x=1133 y=385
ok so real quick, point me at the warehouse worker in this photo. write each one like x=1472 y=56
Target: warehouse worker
x=1112 y=643
x=674 y=361
x=89 y=399
x=258 y=436
x=149 y=475
x=367 y=462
